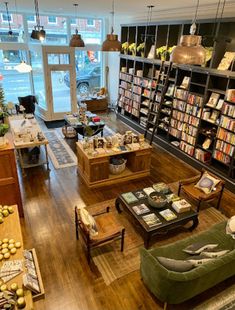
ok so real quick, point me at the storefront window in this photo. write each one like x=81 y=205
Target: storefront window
x=16 y=22
x=90 y=29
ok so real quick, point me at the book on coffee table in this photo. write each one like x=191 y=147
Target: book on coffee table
x=151 y=219
x=172 y=197
x=168 y=215
x=181 y=206
x=140 y=194
x=161 y=187
x=129 y=197
x=141 y=209
x=148 y=190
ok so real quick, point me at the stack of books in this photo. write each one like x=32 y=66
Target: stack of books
x=181 y=206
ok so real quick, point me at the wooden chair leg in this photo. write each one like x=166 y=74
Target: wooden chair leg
x=179 y=189
x=199 y=205
x=220 y=196
x=76 y=223
x=122 y=239
x=165 y=306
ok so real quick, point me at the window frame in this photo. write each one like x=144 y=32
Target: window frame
x=93 y=24
x=52 y=23
x=6 y=21
x=30 y=21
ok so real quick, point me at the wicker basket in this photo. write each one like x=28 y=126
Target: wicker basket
x=69 y=132
x=117 y=169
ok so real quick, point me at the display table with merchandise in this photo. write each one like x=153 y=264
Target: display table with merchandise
x=93 y=165
x=148 y=220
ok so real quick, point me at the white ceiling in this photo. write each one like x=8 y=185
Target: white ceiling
x=134 y=10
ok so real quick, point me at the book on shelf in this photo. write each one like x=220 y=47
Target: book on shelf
x=213 y=100
x=168 y=215
x=185 y=82
x=151 y=219
x=202 y=155
x=220 y=104
x=129 y=197
x=230 y=95
x=181 y=206
x=141 y=209
x=207 y=143
x=140 y=194
x=170 y=90
x=226 y=61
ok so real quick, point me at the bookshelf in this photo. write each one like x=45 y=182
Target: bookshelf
x=182 y=108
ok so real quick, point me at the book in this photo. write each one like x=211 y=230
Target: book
x=148 y=190
x=140 y=194
x=129 y=197
x=141 y=209
x=185 y=82
x=220 y=104
x=172 y=197
x=181 y=206
x=151 y=219
x=230 y=95
x=213 y=100
x=206 y=144
x=226 y=61
x=161 y=187
x=168 y=215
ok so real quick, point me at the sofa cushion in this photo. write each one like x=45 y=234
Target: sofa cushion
x=88 y=221
x=199 y=260
x=214 y=253
x=207 y=183
x=198 y=247
x=175 y=265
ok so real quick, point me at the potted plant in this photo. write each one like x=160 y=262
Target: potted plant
x=132 y=49
x=140 y=48
x=3 y=108
x=3 y=130
x=163 y=52
x=125 y=47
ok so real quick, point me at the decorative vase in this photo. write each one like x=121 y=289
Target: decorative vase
x=3 y=141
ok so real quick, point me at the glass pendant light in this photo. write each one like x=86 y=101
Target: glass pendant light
x=76 y=39
x=23 y=67
x=111 y=44
x=190 y=51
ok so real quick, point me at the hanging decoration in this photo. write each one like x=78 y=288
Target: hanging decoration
x=190 y=51
x=111 y=44
x=10 y=32
x=38 y=33
x=76 y=39
x=23 y=67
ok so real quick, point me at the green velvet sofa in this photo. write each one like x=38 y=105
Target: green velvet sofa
x=176 y=287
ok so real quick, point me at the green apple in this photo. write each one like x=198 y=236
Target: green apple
x=13 y=250
x=14 y=287
x=7 y=255
x=5 y=240
x=11 y=246
x=1 y=219
x=21 y=303
x=3 y=287
x=4 y=245
x=20 y=292
x=17 y=245
x=5 y=207
x=1 y=257
x=10 y=210
x=5 y=213
x=11 y=241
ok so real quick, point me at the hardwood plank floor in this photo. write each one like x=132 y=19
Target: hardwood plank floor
x=48 y=226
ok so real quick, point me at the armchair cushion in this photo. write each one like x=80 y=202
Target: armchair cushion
x=88 y=221
x=207 y=183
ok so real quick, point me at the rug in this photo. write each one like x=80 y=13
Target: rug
x=59 y=151
x=114 y=264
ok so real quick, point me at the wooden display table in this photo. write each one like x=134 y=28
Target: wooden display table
x=95 y=169
x=9 y=182
x=11 y=229
x=94 y=105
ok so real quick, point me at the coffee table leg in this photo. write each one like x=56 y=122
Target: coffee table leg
x=195 y=223
x=117 y=205
x=146 y=241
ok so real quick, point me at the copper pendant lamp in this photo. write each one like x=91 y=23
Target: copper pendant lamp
x=76 y=39
x=190 y=51
x=111 y=44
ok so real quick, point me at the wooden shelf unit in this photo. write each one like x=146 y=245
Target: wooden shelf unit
x=164 y=128
x=95 y=170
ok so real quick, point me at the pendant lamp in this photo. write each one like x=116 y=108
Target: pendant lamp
x=76 y=39
x=10 y=32
x=38 y=33
x=111 y=44
x=23 y=67
x=190 y=51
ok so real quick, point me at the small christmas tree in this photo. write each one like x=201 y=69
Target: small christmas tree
x=3 y=108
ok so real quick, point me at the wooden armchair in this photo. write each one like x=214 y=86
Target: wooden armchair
x=108 y=230
x=187 y=186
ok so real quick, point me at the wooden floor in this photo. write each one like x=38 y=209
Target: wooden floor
x=48 y=226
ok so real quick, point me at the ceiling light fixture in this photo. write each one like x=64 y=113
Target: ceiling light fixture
x=23 y=67
x=190 y=51
x=10 y=32
x=38 y=33
x=111 y=44
x=76 y=39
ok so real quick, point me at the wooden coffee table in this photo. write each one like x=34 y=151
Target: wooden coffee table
x=149 y=232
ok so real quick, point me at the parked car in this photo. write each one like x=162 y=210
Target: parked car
x=85 y=79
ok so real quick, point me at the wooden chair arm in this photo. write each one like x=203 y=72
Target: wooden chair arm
x=190 y=180
x=106 y=210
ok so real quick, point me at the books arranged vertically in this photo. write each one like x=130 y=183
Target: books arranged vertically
x=141 y=209
x=151 y=219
